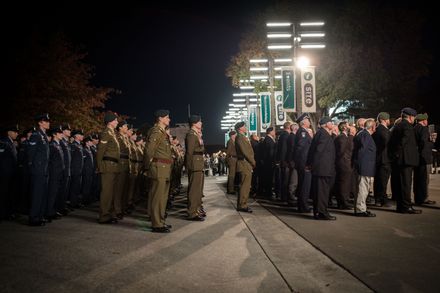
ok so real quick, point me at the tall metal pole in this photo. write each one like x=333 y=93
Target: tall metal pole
x=296 y=73
x=272 y=93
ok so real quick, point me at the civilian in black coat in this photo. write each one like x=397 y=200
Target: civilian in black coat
x=383 y=165
x=281 y=157
x=402 y=149
x=268 y=159
x=321 y=162
x=344 y=170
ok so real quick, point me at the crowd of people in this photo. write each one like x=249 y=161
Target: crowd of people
x=341 y=161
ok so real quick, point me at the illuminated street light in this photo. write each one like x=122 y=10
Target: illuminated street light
x=279 y=35
x=312 y=46
x=278 y=24
x=259 y=69
x=258 y=60
x=279 y=47
x=317 y=23
x=302 y=62
x=247 y=87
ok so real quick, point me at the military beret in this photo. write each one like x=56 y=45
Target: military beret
x=109 y=117
x=409 y=111
x=88 y=138
x=12 y=128
x=161 y=113
x=77 y=132
x=421 y=117
x=122 y=123
x=324 y=120
x=56 y=130
x=302 y=117
x=139 y=138
x=95 y=136
x=383 y=116
x=232 y=132
x=194 y=119
x=42 y=117
x=66 y=126
x=269 y=129
x=239 y=125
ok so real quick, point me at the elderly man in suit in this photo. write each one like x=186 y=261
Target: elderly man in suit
x=364 y=159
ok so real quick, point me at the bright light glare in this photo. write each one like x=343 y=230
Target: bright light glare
x=259 y=68
x=312 y=35
x=281 y=60
x=279 y=36
x=247 y=87
x=317 y=23
x=258 y=60
x=312 y=46
x=278 y=24
x=303 y=62
x=279 y=47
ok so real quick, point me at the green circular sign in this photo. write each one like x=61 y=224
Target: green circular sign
x=308 y=75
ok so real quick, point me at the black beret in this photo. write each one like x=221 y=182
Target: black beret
x=95 y=136
x=139 y=138
x=194 y=119
x=239 y=125
x=302 y=117
x=409 y=111
x=109 y=117
x=122 y=123
x=66 y=126
x=42 y=117
x=232 y=132
x=161 y=113
x=269 y=129
x=77 y=131
x=324 y=120
x=56 y=130
x=88 y=138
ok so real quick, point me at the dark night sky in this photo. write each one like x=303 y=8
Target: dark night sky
x=158 y=55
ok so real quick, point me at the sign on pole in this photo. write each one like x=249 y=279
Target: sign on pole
x=252 y=119
x=308 y=89
x=288 y=86
x=281 y=115
x=265 y=111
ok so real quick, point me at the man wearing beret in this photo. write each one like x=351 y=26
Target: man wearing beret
x=404 y=155
x=107 y=158
x=76 y=168
x=121 y=194
x=268 y=159
x=231 y=159
x=194 y=165
x=8 y=172
x=158 y=160
x=321 y=162
x=56 y=172
x=65 y=184
x=245 y=164
x=38 y=160
x=421 y=172
x=383 y=165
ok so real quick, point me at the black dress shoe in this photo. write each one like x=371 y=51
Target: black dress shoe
x=365 y=214
x=410 y=210
x=160 y=230
x=36 y=223
x=196 y=218
x=325 y=217
x=246 y=210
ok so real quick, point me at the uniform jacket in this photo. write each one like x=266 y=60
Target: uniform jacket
x=77 y=163
x=402 y=147
x=303 y=141
x=245 y=154
x=56 y=160
x=124 y=160
x=364 y=154
x=282 y=146
x=194 y=151
x=108 y=147
x=268 y=152
x=381 y=138
x=344 y=153
x=158 y=148
x=8 y=156
x=89 y=166
x=231 y=153
x=291 y=150
x=38 y=153
x=322 y=154
x=67 y=155
x=424 y=144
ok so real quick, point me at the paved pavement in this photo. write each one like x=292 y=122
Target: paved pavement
x=271 y=250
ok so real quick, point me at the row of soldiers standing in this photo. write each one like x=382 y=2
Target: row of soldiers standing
x=308 y=164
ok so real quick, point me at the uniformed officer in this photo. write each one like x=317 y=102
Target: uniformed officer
x=76 y=169
x=38 y=160
x=321 y=162
x=158 y=161
x=134 y=169
x=65 y=184
x=194 y=165
x=107 y=158
x=24 y=172
x=140 y=180
x=245 y=164
x=121 y=194
x=88 y=172
x=56 y=172
x=8 y=172
x=404 y=156
x=303 y=141
x=231 y=157
x=96 y=184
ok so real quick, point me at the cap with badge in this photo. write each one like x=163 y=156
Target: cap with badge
x=383 y=116
x=77 y=132
x=421 y=117
x=193 y=119
x=161 y=113
x=42 y=117
x=239 y=125
x=324 y=120
x=109 y=117
x=409 y=111
x=66 y=127
x=302 y=117
x=57 y=129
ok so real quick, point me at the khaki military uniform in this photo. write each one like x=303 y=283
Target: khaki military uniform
x=158 y=161
x=135 y=164
x=107 y=159
x=121 y=196
x=194 y=163
x=231 y=159
x=141 y=176
x=245 y=165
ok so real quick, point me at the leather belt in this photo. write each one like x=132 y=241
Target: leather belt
x=110 y=159
x=165 y=161
x=124 y=156
x=198 y=153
